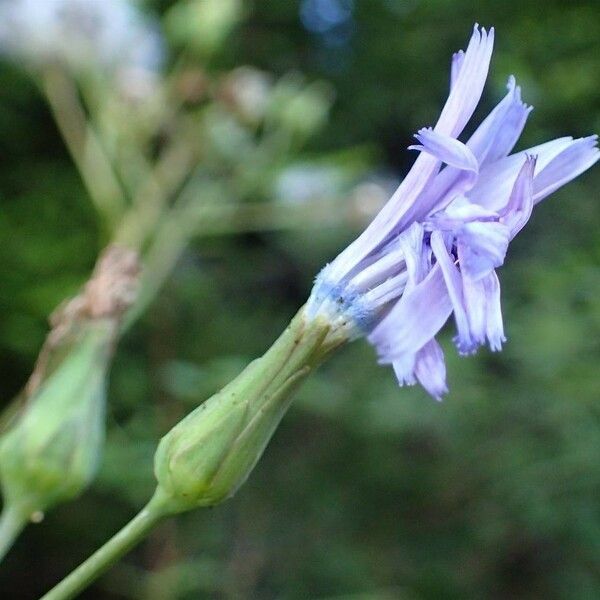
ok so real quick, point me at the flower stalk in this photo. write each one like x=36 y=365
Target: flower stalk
x=110 y=552
x=208 y=455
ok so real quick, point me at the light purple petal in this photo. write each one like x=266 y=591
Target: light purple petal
x=386 y=263
x=520 y=203
x=482 y=246
x=482 y=301
x=414 y=320
x=449 y=184
x=427 y=367
x=455 y=180
x=499 y=132
x=494 y=327
x=388 y=291
x=565 y=166
x=457 y=61
x=413 y=260
x=466 y=91
x=404 y=369
x=446 y=149
x=496 y=180
x=452 y=278
x=400 y=211
x=389 y=218
x=411 y=242
x=475 y=303
x=459 y=212
x=430 y=369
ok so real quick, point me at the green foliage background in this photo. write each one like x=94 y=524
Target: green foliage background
x=367 y=491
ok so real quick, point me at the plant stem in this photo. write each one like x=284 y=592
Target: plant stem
x=86 y=150
x=150 y=200
x=11 y=525
x=115 y=548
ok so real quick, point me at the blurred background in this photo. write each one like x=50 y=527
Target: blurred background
x=240 y=146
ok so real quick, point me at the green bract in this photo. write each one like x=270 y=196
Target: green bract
x=207 y=456
x=51 y=452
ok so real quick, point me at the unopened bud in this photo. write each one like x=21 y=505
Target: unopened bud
x=206 y=457
x=203 y=25
x=300 y=108
x=52 y=450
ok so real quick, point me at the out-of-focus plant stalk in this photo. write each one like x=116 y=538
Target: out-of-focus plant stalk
x=138 y=221
x=53 y=437
x=83 y=144
x=150 y=207
x=50 y=454
x=168 y=242
x=163 y=180
x=105 y=556
x=328 y=212
x=208 y=455
x=132 y=224
x=217 y=214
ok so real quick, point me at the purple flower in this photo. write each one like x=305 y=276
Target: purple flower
x=433 y=249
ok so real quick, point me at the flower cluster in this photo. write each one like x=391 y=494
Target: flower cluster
x=433 y=249
x=111 y=34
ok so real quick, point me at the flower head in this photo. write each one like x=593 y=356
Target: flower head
x=433 y=249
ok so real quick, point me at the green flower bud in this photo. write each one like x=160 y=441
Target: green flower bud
x=203 y=25
x=51 y=451
x=300 y=108
x=207 y=456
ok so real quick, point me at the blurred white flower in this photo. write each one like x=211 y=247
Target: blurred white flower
x=247 y=91
x=300 y=183
x=109 y=34
x=369 y=196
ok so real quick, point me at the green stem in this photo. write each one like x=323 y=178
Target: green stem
x=115 y=548
x=208 y=455
x=85 y=148
x=11 y=525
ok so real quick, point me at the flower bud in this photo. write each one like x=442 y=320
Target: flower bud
x=51 y=452
x=298 y=107
x=203 y=25
x=207 y=456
